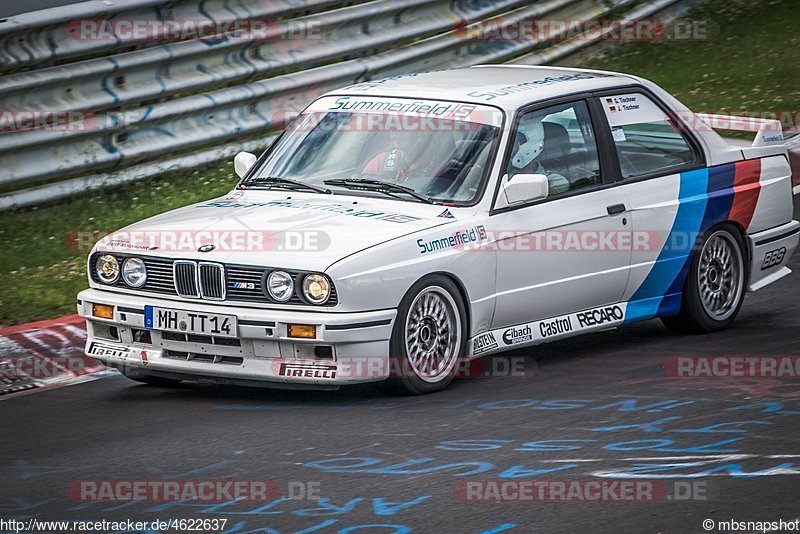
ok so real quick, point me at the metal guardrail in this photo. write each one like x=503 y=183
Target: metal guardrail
x=152 y=106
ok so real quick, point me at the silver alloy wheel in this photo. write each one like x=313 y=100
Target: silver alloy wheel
x=432 y=334
x=719 y=275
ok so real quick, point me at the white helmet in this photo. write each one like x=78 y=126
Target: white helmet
x=532 y=130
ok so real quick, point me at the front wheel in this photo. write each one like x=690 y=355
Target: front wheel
x=714 y=290
x=428 y=338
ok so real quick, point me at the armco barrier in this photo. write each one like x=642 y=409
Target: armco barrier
x=157 y=105
x=44 y=353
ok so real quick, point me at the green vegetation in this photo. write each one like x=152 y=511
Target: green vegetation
x=749 y=62
x=43 y=265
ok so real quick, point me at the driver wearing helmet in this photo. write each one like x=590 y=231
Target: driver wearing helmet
x=404 y=160
x=529 y=146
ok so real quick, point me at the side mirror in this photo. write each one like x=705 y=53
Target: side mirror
x=242 y=163
x=526 y=188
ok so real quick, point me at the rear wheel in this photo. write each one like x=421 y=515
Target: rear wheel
x=714 y=290
x=428 y=338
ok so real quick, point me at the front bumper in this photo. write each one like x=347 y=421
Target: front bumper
x=349 y=347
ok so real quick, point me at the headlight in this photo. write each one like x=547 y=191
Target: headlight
x=280 y=286
x=134 y=272
x=316 y=288
x=107 y=269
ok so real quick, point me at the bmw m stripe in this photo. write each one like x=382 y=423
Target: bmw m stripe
x=747 y=188
x=692 y=199
x=707 y=197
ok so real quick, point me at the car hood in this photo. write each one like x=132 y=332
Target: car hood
x=293 y=231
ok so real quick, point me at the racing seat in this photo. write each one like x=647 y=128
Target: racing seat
x=555 y=155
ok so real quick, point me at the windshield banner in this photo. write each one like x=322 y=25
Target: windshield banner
x=409 y=107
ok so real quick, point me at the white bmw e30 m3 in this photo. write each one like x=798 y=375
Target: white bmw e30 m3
x=401 y=226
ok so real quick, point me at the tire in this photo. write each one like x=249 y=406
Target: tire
x=714 y=290
x=150 y=379
x=428 y=338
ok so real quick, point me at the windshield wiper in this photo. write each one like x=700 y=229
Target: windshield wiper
x=286 y=183
x=380 y=186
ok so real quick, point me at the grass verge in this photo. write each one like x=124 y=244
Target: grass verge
x=43 y=265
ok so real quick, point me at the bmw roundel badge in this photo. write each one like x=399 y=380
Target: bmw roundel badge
x=206 y=248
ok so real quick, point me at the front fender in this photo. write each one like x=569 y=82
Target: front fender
x=379 y=277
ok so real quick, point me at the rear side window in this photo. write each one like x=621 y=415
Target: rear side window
x=646 y=139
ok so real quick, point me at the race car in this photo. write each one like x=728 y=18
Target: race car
x=400 y=227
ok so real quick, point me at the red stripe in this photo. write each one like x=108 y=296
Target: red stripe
x=794 y=160
x=42 y=325
x=746 y=187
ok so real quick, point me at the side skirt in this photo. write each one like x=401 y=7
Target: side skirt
x=546 y=330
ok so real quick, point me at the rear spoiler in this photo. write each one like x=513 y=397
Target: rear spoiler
x=768 y=131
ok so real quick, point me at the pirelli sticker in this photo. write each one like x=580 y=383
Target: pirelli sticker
x=302 y=369
x=105 y=350
x=550 y=329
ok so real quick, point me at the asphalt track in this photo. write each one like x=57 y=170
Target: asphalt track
x=377 y=460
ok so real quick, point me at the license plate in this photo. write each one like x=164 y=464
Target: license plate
x=190 y=322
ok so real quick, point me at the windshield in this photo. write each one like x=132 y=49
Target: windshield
x=433 y=150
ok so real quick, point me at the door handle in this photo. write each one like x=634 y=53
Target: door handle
x=616 y=208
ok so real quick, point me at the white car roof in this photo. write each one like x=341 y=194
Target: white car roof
x=506 y=86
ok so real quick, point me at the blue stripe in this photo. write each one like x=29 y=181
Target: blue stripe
x=720 y=195
x=671 y=266
x=718 y=206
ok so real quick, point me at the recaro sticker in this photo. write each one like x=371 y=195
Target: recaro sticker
x=552 y=328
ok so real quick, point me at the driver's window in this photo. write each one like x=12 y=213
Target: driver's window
x=558 y=142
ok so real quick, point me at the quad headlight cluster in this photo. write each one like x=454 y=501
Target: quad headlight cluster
x=315 y=287
x=278 y=286
x=133 y=271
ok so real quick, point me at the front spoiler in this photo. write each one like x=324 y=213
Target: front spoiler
x=265 y=355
